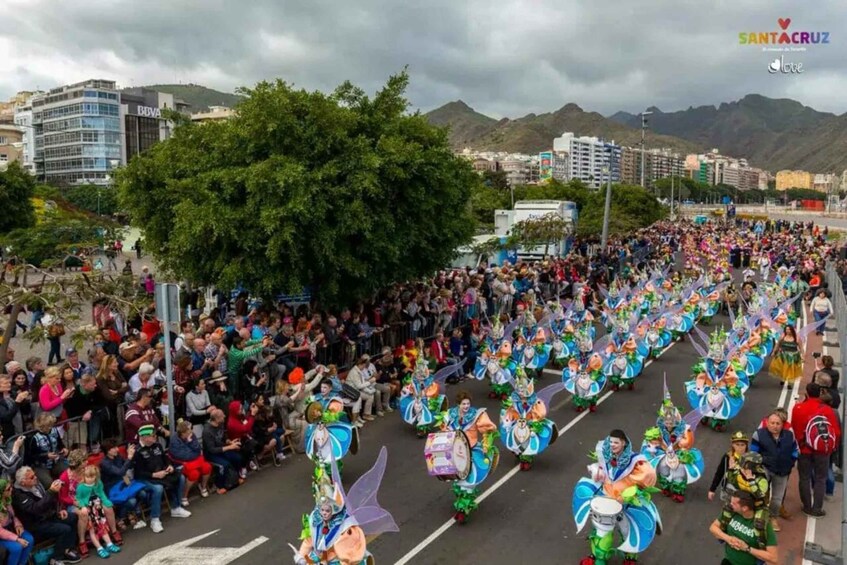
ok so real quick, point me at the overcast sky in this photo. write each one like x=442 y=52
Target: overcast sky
x=503 y=57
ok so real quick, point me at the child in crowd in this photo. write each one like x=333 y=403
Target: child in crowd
x=90 y=494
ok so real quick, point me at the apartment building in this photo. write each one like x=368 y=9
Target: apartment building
x=591 y=159
x=793 y=179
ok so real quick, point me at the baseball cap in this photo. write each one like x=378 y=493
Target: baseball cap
x=126 y=345
x=70 y=351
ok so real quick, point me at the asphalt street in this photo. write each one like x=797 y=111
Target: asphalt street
x=524 y=516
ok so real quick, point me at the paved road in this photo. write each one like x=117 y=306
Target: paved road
x=525 y=518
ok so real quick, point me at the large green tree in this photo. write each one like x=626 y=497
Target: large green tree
x=341 y=193
x=632 y=208
x=16 y=189
x=92 y=198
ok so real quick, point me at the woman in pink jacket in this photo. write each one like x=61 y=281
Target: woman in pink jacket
x=51 y=397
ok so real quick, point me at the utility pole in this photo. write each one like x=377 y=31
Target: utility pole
x=608 y=205
x=643 y=154
x=671 y=196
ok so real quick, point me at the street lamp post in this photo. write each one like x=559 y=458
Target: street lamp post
x=671 y=196
x=608 y=205
x=643 y=154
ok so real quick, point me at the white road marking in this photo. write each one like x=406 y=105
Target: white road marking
x=180 y=554
x=512 y=472
x=810 y=536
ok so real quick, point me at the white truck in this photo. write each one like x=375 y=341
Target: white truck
x=504 y=220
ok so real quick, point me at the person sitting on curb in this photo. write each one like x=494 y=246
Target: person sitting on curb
x=37 y=509
x=151 y=467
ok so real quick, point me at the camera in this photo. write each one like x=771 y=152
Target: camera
x=816 y=354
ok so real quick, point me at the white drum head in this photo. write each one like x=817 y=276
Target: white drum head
x=462 y=455
x=605 y=506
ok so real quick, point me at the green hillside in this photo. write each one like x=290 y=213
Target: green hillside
x=198 y=97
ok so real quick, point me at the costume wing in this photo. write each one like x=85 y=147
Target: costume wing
x=546 y=394
x=809 y=328
x=701 y=350
x=443 y=374
x=510 y=329
x=362 y=503
x=693 y=419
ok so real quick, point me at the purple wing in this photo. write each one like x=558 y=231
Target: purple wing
x=546 y=394
x=362 y=503
x=603 y=292
x=701 y=350
x=601 y=344
x=693 y=419
x=784 y=306
x=443 y=374
x=510 y=329
x=809 y=328
x=731 y=318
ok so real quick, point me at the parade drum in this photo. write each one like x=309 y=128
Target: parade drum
x=448 y=455
x=605 y=512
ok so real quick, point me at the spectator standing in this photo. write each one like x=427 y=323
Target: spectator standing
x=198 y=406
x=11 y=422
x=740 y=537
x=113 y=387
x=141 y=413
x=87 y=405
x=818 y=433
x=779 y=451
x=821 y=308
x=739 y=444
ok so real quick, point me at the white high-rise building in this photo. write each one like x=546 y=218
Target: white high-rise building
x=23 y=119
x=591 y=160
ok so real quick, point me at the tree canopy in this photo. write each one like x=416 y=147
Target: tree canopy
x=341 y=194
x=91 y=198
x=16 y=189
x=632 y=208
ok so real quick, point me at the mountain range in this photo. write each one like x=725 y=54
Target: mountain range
x=198 y=97
x=773 y=134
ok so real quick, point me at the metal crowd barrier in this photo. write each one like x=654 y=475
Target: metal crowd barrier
x=835 y=285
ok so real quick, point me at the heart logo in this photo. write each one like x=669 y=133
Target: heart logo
x=784 y=22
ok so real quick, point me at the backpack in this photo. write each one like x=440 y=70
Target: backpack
x=819 y=435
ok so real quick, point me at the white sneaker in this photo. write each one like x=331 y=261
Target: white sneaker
x=360 y=424
x=156 y=525
x=380 y=413
x=139 y=525
x=389 y=409
x=180 y=513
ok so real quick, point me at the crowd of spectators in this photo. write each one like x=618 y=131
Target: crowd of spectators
x=243 y=371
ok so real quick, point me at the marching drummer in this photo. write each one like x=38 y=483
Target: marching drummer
x=620 y=486
x=480 y=432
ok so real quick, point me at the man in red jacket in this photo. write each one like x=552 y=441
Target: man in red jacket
x=814 y=460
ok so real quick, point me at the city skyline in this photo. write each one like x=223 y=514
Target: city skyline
x=503 y=59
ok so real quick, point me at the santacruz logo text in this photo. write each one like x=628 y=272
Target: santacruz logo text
x=784 y=37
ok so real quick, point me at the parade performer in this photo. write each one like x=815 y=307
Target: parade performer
x=534 y=352
x=716 y=390
x=617 y=498
x=787 y=360
x=585 y=380
x=623 y=363
x=336 y=531
x=495 y=361
x=421 y=399
x=669 y=448
x=329 y=434
x=480 y=432
x=524 y=427
x=750 y=476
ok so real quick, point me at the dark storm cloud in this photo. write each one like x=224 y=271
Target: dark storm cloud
x=503 y=58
